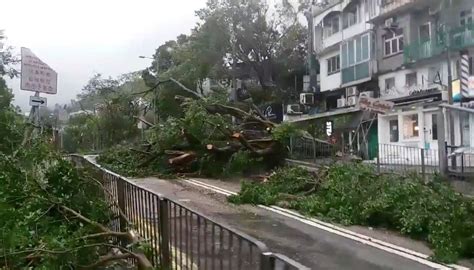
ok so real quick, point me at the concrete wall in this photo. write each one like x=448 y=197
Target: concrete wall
x=332 y=81
x=423 y=74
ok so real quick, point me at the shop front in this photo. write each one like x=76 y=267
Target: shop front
x=410 y=127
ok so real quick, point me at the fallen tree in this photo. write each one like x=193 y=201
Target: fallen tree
x=53 y=216
x=355 y=194
x=211 y=137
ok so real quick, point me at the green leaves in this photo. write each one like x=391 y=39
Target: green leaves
x=355 y=194
x=32 y=184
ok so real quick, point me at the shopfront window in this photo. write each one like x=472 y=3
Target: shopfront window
x=466 y=139
x=434 y=127
x=410 y=126
x=411 y=79
x=393 y=130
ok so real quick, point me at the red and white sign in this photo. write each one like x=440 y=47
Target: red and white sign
x=367 y=103
x=36 y=75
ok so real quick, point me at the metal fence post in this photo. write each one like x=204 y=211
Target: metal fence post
x=267 y=261
x=314 y=149
x=378 y=160
x=291 y=147
x=164 y=222
x=121 y=203
x=423 y=169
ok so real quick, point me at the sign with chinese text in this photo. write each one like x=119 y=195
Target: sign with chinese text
x=377 y=105
x=36 y=75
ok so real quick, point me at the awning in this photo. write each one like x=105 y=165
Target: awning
x=326 y=114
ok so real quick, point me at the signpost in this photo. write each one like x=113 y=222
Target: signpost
x=38 y=77
x=38 y=101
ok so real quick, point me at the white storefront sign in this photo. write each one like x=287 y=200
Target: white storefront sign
x=36 y=75
x=367 y=103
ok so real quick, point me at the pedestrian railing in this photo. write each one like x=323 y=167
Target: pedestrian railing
x=179 y=237
x=400 y=158
x=460 y=161
x=310 y=149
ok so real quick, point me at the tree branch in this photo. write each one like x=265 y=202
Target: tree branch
x=108 y=258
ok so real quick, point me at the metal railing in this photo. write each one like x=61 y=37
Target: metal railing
x=179 y=237
x=460 y=164
x=309 y=149
x=400 y=158
x=459 y=38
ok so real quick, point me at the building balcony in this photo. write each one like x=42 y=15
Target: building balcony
x=356 y=73
x=460 y=38
x=390 y=8
x=419 y=50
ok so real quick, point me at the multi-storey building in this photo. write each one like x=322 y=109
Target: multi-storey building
x=412 y=40
x=344 y=44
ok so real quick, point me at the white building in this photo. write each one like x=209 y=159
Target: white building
x=411 y=38
x=344 y=44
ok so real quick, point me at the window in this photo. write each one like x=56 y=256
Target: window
x=355 y=51
x=434 y=75
x=389 y=83
x=393 y=125
x=331 y=25
x=393 y=42
x=350 y=16
x=411 y=80
x=410 y=126
x=425 y=32
x=434 y=127
x=333 y=64
x=466 y=18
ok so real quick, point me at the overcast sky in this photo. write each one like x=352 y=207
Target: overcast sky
x=78 y=38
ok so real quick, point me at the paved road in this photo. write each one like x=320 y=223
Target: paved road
x=306 y=244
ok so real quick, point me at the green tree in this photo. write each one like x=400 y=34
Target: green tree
x=268 y=42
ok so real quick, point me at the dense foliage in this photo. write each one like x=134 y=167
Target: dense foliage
x=34 y=186
x=355 y=194
x=52 y=215
x=194 y=133
x=105 y=114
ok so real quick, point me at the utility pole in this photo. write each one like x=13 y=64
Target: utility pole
x=155 y=91
x=450 y=117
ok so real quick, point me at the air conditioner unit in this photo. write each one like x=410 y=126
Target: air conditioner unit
x=352 y=91
x=341 y=102
x=307 y=98
x=293 y=109
x=367 y=94
x=390 y=23
x=352 y=101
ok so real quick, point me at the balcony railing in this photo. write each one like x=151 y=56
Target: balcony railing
x=460 y=38
x=391 y=5
x=423 y=49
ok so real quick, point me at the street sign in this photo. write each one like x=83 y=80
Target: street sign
x=377 y=105
x=38 y=101
x=37 y=76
